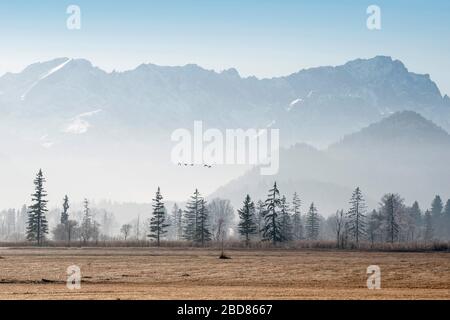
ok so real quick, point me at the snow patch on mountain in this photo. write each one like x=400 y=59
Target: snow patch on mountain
x=294 y=103
x=88 y=114
x=299 y=101
x=44 y=76
x=79 y=124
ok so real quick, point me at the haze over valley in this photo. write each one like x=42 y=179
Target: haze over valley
x=370 y=123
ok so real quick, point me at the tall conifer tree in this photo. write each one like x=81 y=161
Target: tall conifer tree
x=247 y=226
x=272 y=229
x=312 y=223
x=158 y=225
x=37 y=222
x=285 y=220
x=356 y=216
x=297 y=225
x=203 y=234
x=191 y=214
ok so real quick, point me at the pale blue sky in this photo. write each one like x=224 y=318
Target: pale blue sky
x=257 y=37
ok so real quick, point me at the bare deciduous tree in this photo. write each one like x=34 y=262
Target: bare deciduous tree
x=339 y=225
x=125 y=230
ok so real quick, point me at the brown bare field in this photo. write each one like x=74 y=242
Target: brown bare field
x=185 y=273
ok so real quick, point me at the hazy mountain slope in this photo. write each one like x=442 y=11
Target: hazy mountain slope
x=303 y=169
x=346 y=98
x=403 y=153
x=318 y=105
x=404 y=129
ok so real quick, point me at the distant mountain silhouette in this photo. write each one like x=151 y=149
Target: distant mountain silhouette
x=397 y=131
x=403 y=153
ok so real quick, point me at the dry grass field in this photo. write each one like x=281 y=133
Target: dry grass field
x=151 y=273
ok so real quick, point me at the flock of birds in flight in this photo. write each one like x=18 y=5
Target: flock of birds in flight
x=191 y=165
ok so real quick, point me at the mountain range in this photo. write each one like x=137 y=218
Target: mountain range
x=155 y=99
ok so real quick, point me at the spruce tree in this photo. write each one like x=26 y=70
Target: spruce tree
x=285 y=220
x=356 y=217
x=392 y=207
x=413 y=221
x=247 y=226
x=297 y=225
x=428 y=233
x=416 y=213
x=191 y=216
x=65 y=212
x=202 y=234
x=63 y=230
x=373 y=226
x=37 y=222
x=86 y=224
x=312 y=223
x=437 y=207
x=177 y=226
x=158 y=225
x=272 y=229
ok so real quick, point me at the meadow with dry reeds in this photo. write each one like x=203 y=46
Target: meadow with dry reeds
x=198 y=273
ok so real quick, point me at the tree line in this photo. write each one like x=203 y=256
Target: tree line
x=274 y=220
x=278 y=221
